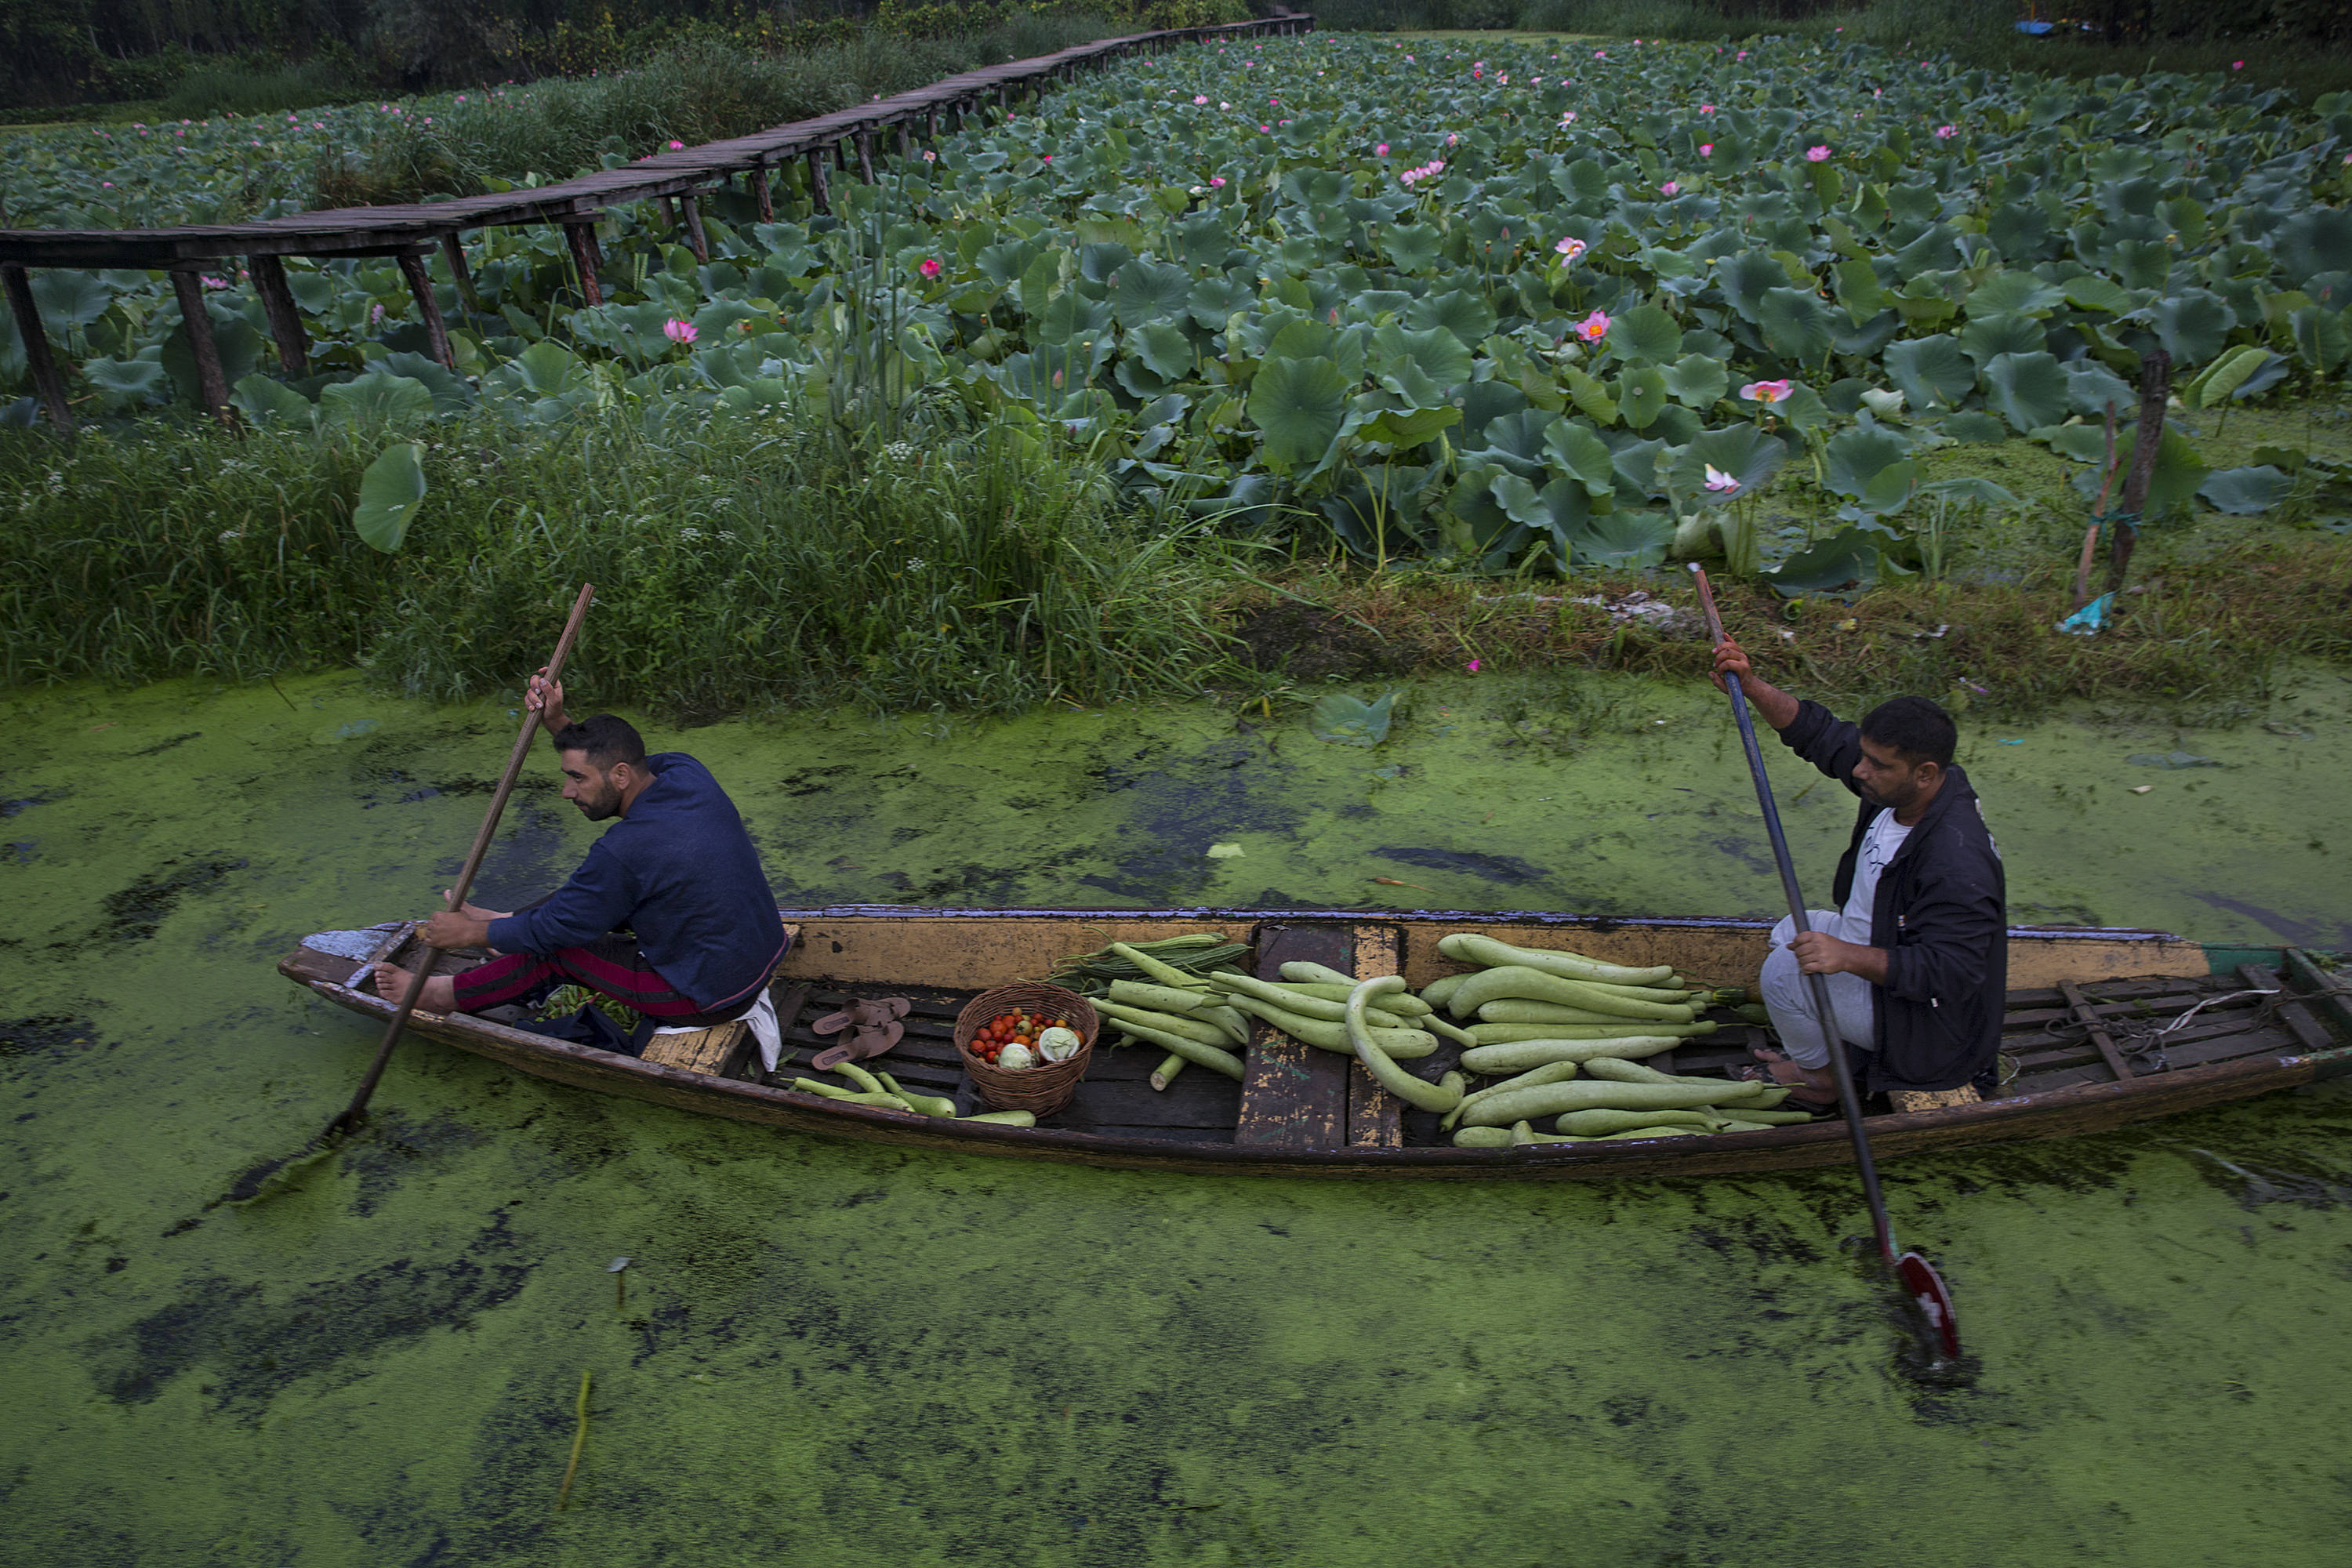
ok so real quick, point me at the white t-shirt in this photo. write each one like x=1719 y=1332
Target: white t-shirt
x=1878 y=847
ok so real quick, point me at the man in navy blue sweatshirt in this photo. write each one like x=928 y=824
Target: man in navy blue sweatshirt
x=670 y=914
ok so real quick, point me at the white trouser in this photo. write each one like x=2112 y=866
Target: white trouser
x=1789 y=996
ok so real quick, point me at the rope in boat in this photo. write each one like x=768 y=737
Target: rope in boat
x=2140 y=1042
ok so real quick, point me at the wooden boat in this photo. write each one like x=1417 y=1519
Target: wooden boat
x=2086 y=1043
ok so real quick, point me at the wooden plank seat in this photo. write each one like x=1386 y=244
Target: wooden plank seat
x=1297 y=1096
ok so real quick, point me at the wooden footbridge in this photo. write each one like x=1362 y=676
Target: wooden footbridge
x=409 y=234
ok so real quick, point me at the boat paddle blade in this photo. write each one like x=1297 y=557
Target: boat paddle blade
x=1925 y=1287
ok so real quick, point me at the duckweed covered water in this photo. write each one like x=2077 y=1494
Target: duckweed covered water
x=833 y=1354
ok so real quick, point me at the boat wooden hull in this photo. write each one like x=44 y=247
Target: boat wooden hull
x=971 y=950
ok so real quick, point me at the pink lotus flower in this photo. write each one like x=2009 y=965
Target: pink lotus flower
x=1570 y=250
x=1706 y=109
x=1593 y=327
x=679 y=331
x=931 y=267
x=1743 y=54
x=1047 y=158
x=677 y=146
x=1382 y=151
x=1472 y=667
x=930 y=156
x=1765 y=391
x=1600 y=53
x=1198 y=99
x=1706 y=148
x=2237 y=65
x=1719 y=481
x=1946 y=132
x=1216 y=181
x=1816 y=154
x=1670 y=188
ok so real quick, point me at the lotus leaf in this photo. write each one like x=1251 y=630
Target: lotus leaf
x=2193 y=325
x=1622 y=539
x=374 y=400
x=1646 y=332
x=2028 y=390
x=2242 y=492
x=70 y=299
x=1850 y=559
x=124 y=385
x=1350 y=721
x=1986 y=338
x=1301 y=404
x=1640 y=395
x=391 y=490
x=1697 y=380
x=1932 y=372
x=1149 y=290
x=1743 y=454
x=1582 y=454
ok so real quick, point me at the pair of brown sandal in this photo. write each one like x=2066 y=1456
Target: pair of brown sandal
x=874 y=1027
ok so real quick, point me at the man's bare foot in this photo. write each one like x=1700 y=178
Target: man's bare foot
x=440 y=990
x=1816 y=1085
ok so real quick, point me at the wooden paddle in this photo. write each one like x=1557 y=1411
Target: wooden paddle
x=349 y=1118
x=1918 y=1276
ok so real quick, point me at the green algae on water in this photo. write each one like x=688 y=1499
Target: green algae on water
x=835 y=1353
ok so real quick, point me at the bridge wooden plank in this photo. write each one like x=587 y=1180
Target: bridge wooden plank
x=389 y=230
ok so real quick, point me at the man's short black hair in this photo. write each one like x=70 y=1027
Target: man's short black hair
x=608 y=739
x=1913 y=728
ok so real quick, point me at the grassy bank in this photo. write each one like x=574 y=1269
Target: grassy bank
x=748 y=563
x=738 y=564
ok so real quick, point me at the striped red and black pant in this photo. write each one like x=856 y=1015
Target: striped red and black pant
x=611 y=966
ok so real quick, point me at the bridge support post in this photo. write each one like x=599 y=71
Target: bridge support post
x=696 y=238
x=44 y=365
x=212 y=381
x=581 y=232
x=865 y=156
x=420 y=284
x=760 y=194
x=285 y=320
x=453 y=251
x=819 y=197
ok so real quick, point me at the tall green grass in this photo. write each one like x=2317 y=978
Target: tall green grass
x=746 y=561
x=2250 y=44
x=699 y=92
x=241 y=87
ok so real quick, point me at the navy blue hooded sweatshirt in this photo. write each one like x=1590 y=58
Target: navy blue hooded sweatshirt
x=1940 y=913
x=679 y=870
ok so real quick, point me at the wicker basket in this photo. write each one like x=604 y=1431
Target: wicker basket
x=1047 y=1087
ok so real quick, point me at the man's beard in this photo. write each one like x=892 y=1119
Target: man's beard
x=605 y=805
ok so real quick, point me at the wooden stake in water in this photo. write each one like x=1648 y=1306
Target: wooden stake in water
x=579 y=1441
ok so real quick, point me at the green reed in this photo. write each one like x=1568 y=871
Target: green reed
x=740 y=562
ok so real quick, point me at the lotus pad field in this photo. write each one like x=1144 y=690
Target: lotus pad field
x=1492 y=301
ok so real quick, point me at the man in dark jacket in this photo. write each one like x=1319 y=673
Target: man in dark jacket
x=1916 y=955
x=677 y=873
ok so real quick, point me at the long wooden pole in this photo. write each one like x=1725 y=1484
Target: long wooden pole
x=349 y=1116
x=1918 y=1276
